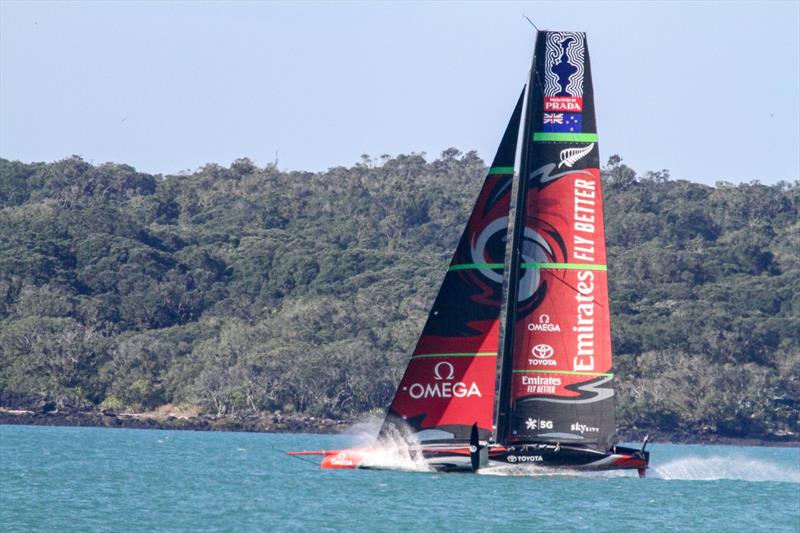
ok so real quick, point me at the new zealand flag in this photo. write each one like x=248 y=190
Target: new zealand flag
x=563 y=122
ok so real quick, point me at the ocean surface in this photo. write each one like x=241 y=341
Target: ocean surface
x=98 y=479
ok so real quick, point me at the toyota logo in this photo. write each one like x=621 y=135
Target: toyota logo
x=542 y=351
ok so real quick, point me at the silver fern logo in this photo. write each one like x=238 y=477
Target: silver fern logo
x=570 y=156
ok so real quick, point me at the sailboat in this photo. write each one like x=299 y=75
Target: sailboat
x=543 y=393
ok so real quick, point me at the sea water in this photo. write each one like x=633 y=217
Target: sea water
x=97 y=479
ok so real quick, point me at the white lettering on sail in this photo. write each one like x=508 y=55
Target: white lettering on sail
x=538 y=423
x=544 y=325
x=443 y=387
x=584 y=358
x=540 y=384
x=584 y=250
x=582 y=428
x=443 y=390
x=584 y=208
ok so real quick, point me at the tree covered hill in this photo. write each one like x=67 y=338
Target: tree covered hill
x=248 y=289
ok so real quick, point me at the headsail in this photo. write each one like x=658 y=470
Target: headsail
x=558 y=340
x=449 y=383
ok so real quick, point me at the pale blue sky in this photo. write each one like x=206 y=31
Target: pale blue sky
x=709 y=90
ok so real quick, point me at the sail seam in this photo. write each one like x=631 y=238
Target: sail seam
x=470 y=266
x=570 y=372
x=475 y=354
x=501 y=170
x=566 y=266
x=567 y=137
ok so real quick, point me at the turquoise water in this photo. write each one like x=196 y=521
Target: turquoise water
x=96 y=479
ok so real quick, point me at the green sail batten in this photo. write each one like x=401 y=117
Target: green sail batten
x=470 y=266
x=568 y=372
x=476 y=354
x=565 y=266
x=501 y=170
x=565 y=137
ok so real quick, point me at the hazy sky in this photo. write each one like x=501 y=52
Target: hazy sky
x=708 y=90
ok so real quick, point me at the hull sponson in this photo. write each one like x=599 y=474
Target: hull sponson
x=449 y=458
x=539 y=455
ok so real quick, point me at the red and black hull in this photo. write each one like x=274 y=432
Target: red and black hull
x=553 y=456
x=448 y=458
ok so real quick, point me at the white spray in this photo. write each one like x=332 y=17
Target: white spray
x=394 y=451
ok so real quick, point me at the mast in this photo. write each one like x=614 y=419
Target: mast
x=507 y=361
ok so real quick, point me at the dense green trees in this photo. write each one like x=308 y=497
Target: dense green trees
x=245 y=289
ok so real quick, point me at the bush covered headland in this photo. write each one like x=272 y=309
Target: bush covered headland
x=247 y=290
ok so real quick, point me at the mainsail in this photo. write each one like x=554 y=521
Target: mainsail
x=556 y=381
x=449 y=383
x=555 y=402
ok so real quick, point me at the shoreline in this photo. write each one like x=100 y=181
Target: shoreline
x=292 y=423
x=259 y=423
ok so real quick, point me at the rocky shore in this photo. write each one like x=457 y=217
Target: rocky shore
x=264 y=423
x=295 y=423
x=635 y=434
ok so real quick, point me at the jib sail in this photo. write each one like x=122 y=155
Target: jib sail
x=557 y=353
x=449 y=383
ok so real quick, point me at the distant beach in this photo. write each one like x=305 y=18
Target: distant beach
x=261 y=423
x=278 y=422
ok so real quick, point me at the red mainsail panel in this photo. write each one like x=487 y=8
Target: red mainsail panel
x=559 y=367
x=449 y=384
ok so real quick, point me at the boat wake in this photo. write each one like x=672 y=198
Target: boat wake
x=525 y=470
x=691 y=468
x=724 y=467
x=540 y=471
